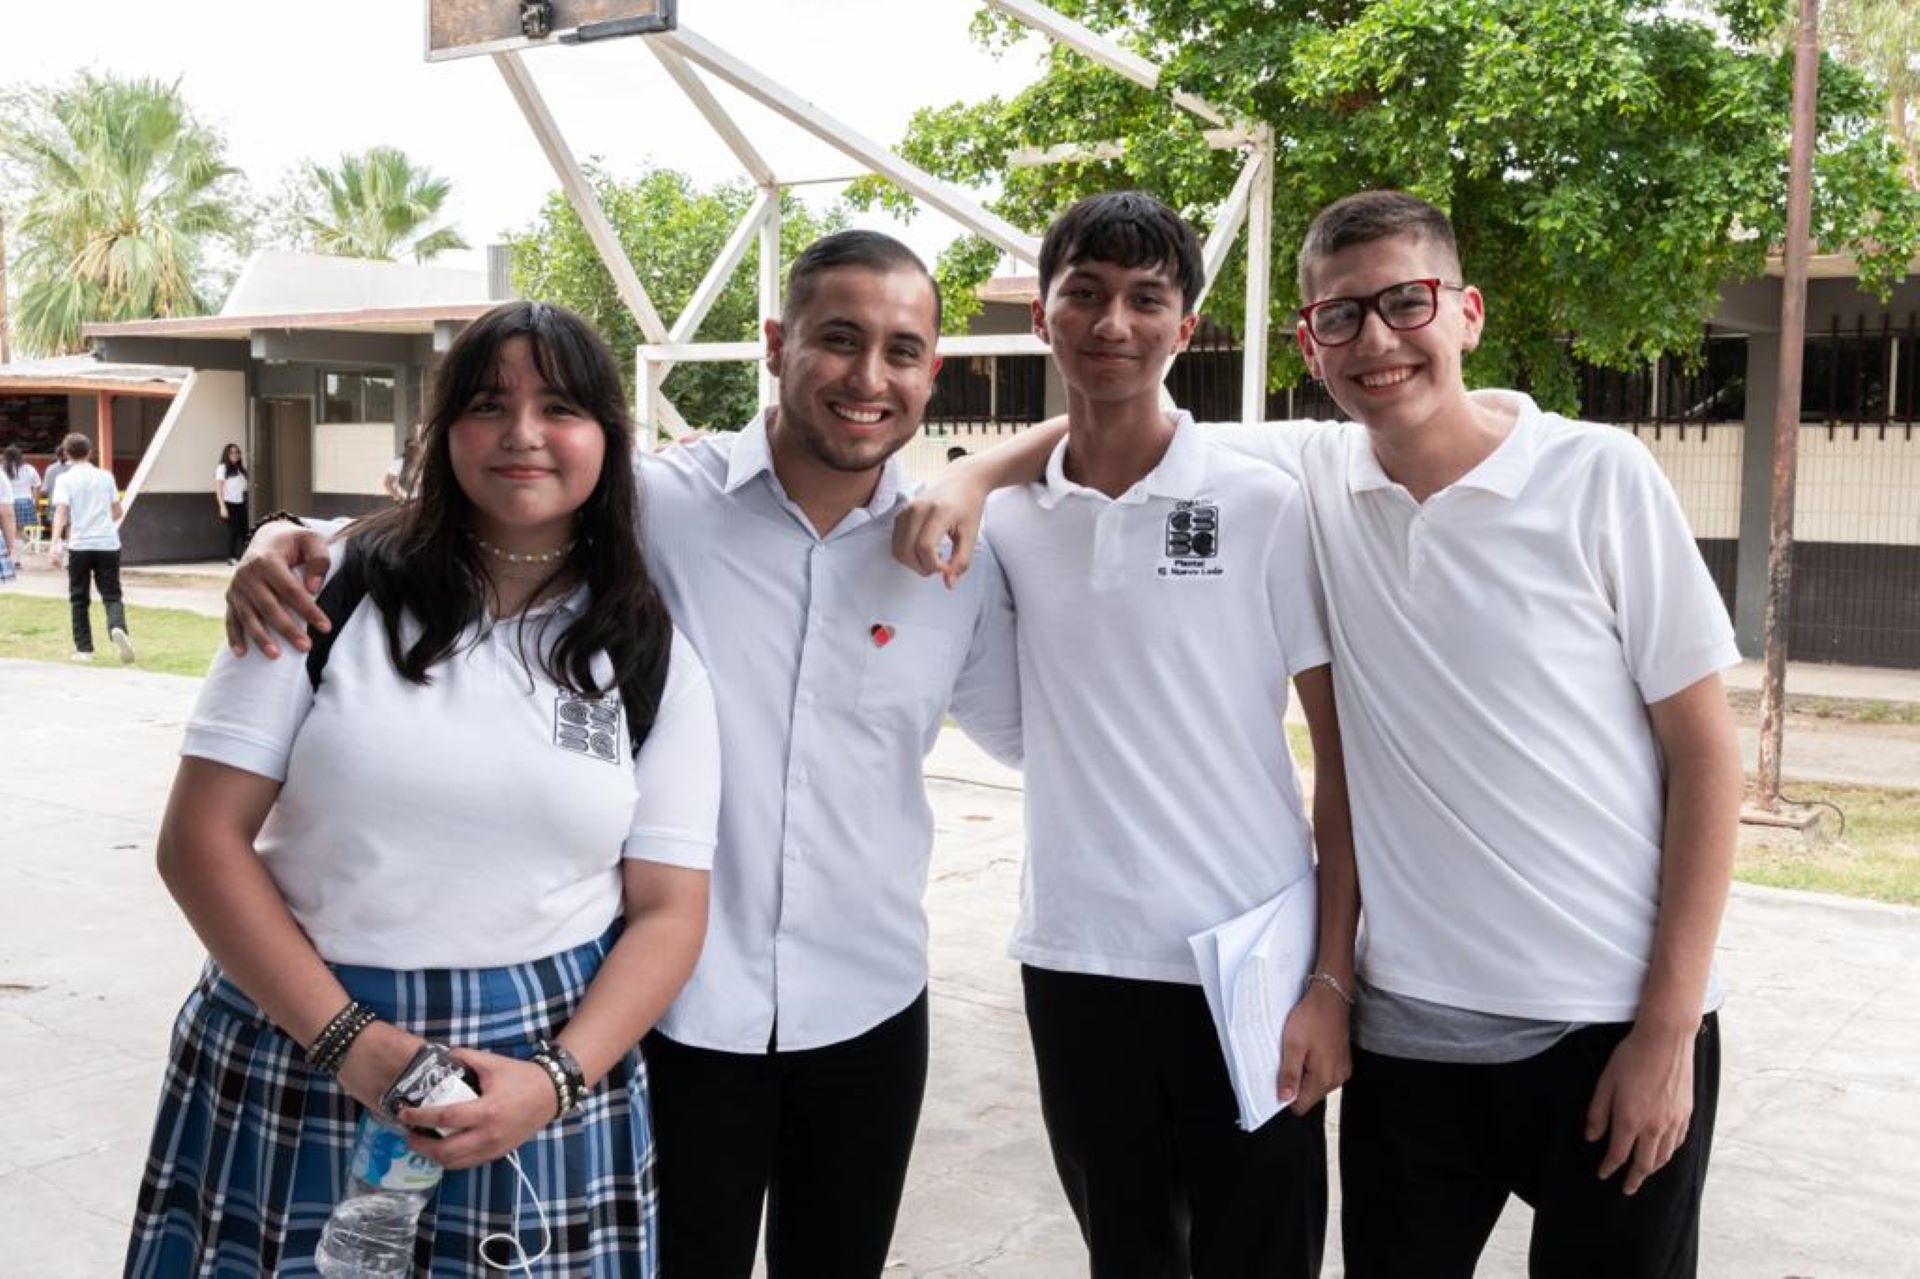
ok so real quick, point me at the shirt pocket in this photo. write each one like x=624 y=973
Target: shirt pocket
x=907 y=672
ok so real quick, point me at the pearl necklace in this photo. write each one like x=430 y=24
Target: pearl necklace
x=534 y=557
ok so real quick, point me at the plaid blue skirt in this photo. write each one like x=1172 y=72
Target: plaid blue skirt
x=251 y=1146
x=25 y=514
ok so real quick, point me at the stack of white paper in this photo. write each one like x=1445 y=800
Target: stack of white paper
x=1254 y=969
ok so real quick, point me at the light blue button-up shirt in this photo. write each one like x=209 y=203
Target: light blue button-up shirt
x=833 y=668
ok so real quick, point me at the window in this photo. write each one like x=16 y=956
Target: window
x=1844 y=378
x=356 y=397
x=1715 y=390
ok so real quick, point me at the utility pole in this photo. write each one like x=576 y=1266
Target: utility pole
x=1786 y=412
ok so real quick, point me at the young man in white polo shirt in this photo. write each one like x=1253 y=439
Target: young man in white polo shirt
x=86 y=514
x=1166 y=594
x=1544 y=773
x=789 y=1073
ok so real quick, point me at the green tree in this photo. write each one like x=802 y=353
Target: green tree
x=672 y=231
x=377 y=204
x=1608 y=163
x=1882 y=38
x=119 y=190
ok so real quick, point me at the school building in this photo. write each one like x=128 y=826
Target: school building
x=316 y=366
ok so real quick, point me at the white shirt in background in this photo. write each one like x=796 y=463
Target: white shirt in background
x=88 y=493
x=233 y=488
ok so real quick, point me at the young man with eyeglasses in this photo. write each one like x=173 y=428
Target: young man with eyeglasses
x=1545 y=781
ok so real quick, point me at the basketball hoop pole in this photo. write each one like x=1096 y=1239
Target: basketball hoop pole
x=458 y=28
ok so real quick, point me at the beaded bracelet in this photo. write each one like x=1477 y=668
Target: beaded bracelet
x=1322 y=977
x=563 y=1070
x=273 y=517
x=329 y=1047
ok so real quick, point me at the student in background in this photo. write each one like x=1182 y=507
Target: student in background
x=86 y=517
x=25 y=482
x=230 y=496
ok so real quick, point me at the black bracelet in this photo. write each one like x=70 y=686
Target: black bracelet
x=563 y=1069
x=274 y=517
x=329 y=1047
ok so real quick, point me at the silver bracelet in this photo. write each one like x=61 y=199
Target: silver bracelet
x=1322 y=977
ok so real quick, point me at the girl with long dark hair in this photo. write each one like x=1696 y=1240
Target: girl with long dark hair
x=25 y=482
x=484 y=819
x=230 y=485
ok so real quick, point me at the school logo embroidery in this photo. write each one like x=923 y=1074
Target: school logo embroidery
x=1193 y=540
x=588 y=725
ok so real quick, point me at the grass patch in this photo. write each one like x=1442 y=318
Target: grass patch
x=1855 y=710
x=1302 y=743
x=1876 y=857
x=172 y=641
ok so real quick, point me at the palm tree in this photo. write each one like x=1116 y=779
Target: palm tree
x=124 y=187
x=378 y=205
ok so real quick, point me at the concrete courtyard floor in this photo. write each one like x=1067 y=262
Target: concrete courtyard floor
x=1816 y=1169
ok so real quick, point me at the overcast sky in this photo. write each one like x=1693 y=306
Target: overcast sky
x=291 y=80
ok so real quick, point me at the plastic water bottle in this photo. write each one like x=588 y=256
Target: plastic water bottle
x=370 y=1234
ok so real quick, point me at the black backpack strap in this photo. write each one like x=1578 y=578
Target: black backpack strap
x=338 y=598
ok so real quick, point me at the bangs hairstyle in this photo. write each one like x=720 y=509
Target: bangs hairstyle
x=420 y=558
x=1128 y=229
x=1370 y=216
x=866 y=250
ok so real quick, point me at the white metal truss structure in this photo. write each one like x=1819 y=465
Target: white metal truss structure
x=688 y=58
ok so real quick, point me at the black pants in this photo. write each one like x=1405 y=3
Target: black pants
x=101 y=568
x=1141 y=1117
x=236 y=529
x=1429 y=1152
x=821 y=1134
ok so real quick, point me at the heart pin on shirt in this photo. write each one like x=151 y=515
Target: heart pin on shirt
x=881 y=633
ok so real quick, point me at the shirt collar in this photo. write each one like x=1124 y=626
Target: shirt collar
x=1179 y=474
x=752 y=455
x=1503 y=472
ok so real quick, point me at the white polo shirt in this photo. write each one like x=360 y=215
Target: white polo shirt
x=474 y=821
x=88 y=494
x=1157 y=634
x=233 y=484
x=833 y=668
x=1495 y=650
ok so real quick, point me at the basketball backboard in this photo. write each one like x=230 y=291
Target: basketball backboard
x=464 y=28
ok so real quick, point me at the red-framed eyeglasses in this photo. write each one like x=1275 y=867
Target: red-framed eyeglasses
x=1402 y=307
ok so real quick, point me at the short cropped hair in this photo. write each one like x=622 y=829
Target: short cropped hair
x=869 y=250
x=1370 y=216
x=1126 y=228
x=78 y=447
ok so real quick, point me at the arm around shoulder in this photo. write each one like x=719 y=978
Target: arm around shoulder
x=937 y=530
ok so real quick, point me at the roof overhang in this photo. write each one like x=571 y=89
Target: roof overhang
x=239 y=328
x=1828 y=266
